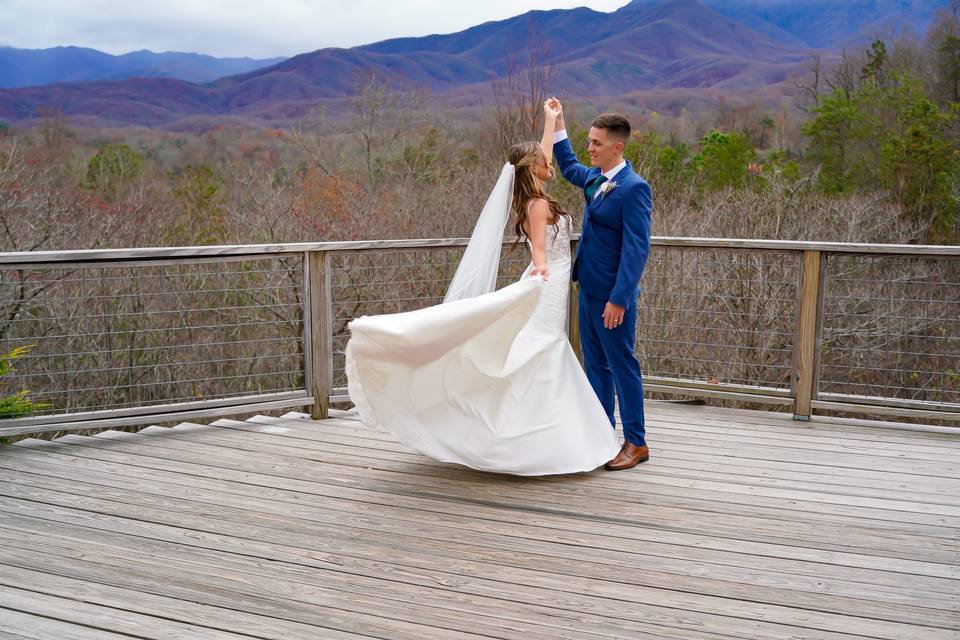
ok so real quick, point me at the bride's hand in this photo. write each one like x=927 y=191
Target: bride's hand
x=557 y=109
x=540 y=271
x=551 y=108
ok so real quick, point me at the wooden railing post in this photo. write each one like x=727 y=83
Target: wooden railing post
x=573 y=322
x=806 y=346
x=573 y=318
x=318 y=331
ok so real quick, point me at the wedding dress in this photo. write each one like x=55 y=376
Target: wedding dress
x=489 y=382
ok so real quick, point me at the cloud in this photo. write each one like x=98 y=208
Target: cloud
x=239 y=28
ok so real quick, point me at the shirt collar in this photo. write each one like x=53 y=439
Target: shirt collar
x=610 y=174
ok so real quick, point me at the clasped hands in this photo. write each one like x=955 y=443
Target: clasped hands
x=553 y=109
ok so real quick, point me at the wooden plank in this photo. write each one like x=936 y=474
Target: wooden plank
x=164 y=413
x=250 y=590
x=129 y=550
x=891 y=504
x=884 y=542
x=16 y=625
x=667 y=490
x=942 y=490
x=674 y=456
x=73 y=606
x=346 y=553
x=94 y=416
x=359 y=511
x=688 y=575
x=625 y=530
x=155 y=616
x=429 y=590
x=809 y=450
x=15 y=259
x=885 y=431
x=909 y=547
x=668 y=423
x=671 y=484
x=268 y=597
x=816 y=441
x=433 y=508
x=720 y=393
x=816 y=427
x=876 y=408
x=287 y=514
x=796 y=245
x=673 y=474
x=588 y=505
x=693 y=420
x=640 y=615
x=951 y=409
x=885 y=485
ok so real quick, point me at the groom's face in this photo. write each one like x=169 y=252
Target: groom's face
x=605 y=150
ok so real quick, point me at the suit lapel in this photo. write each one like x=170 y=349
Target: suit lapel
x=623 y=173
x=586 y=211
x=618 y=178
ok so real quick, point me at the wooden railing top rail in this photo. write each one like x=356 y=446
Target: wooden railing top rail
x=23 y=258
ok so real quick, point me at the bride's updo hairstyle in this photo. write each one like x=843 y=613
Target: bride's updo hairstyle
x=525 y=157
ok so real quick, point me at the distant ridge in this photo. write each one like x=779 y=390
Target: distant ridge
x=645 y=45
x=830 y=24
x=36 y=67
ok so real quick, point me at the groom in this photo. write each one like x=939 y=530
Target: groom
x=610 y=258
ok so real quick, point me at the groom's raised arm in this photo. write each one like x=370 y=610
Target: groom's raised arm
x=571 y=169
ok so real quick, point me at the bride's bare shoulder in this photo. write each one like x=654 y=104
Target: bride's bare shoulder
x=539 y=206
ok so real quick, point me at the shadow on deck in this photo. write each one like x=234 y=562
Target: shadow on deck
x=742 y=525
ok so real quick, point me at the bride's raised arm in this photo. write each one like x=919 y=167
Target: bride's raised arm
x=551 y=112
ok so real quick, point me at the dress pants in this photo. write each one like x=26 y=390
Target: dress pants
x=611 y=365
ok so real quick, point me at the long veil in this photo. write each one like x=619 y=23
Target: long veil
x=477 y=272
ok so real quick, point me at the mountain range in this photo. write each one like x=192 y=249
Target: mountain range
x=34 y=67
x=829 y=24
x=728 y=45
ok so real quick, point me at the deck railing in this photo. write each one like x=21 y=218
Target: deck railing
x=139 y=336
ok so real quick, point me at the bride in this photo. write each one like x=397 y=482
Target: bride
x=488 y=379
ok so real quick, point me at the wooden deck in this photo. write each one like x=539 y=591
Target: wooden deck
x=742 y=525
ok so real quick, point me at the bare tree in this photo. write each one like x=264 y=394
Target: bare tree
x=846 y=74
x=312 y=136
x=382 y=118
x=519 y=95
x=810 y=91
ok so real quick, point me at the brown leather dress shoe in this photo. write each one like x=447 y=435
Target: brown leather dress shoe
x=630 y=456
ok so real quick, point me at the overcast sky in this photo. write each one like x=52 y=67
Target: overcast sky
x=255 y=28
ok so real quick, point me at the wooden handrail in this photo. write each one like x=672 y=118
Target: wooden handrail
x=318 y=322
x=24 y=258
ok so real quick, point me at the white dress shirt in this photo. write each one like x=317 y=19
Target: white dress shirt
x=562 y=135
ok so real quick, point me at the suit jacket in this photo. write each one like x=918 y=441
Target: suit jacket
x=615 y=241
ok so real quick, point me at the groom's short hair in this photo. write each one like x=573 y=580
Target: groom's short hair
x=617 y=125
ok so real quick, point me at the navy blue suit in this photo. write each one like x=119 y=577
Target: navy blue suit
x=610 y=259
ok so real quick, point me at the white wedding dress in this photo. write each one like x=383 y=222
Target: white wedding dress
x=489 y=382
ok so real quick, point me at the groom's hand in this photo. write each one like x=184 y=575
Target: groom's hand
x=613 y=315
x=555 y=104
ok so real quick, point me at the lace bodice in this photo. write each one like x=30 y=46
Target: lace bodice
x=558 y=243
x=551 y=314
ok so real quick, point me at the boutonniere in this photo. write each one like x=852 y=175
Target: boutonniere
x=607 y=187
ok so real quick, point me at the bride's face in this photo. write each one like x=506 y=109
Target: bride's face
x=543 y=170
